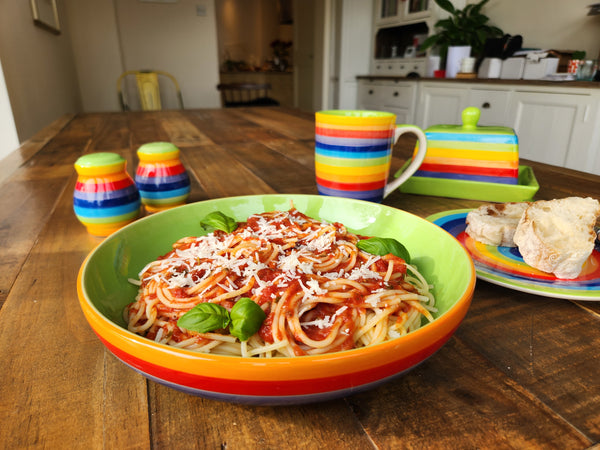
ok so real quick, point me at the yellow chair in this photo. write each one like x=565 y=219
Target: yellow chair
x=148 y=90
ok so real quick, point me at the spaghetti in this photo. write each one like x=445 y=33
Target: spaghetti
x=319 y=291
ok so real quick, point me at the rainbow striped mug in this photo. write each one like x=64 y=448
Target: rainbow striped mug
x=353 y=152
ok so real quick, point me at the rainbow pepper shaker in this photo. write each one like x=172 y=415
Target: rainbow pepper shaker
x=160 y=177
x=105 y=196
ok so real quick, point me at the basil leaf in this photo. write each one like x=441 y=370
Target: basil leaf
x=205 y=317
x=383 y=246
x=246 y=319
x=216 y=220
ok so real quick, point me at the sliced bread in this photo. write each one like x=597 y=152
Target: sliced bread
x=557 y=236
x=495 y=223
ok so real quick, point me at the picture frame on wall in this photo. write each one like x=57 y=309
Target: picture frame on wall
x=45 y=15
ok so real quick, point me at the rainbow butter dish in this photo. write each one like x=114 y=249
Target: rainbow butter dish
x=105 y=288
x=474 y=162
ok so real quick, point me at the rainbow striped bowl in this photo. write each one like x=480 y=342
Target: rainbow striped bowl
x=104 y=290
x=160 y=176
x=105 y=196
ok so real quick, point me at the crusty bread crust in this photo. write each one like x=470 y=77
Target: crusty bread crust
x=557 y=236
x=495 y=223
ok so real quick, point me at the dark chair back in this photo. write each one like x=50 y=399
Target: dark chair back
x=246 y=94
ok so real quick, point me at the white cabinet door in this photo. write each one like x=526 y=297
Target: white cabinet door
x=441 y=105
x=392 y=96
x=493 y=105
x=554 y=128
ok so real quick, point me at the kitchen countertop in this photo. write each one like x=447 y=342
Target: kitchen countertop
x=576 y=84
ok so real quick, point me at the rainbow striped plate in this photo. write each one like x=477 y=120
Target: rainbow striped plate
x=505 y=266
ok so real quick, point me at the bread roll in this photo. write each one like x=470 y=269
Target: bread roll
x=495 y=224
x=557 y=236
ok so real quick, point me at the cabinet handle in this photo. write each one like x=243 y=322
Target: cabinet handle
x=370 y=91
x=395 y=94
x=486 y=105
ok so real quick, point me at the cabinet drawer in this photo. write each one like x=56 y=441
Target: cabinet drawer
x=493 y=105
x=399 y=67
x=399 y=96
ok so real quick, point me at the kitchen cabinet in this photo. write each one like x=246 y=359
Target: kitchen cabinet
x=399 y=67
x=395 y=97
x=395 y=11
x=555 y=125
x=493 y=104
x=440 y=104
x=399 y=28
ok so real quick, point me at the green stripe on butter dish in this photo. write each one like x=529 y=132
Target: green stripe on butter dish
x=474 y=190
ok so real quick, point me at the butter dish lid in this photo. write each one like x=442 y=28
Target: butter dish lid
x=469 y=131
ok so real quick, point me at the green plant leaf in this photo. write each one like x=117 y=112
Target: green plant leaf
x=205 y=317
x=216 y=220
x=446 y=5
x=467 y=26
x=246 y=319
x=384 y=246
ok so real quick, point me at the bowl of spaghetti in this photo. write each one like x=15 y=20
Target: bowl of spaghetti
x=276 y=299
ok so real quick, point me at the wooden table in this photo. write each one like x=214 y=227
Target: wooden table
x=522 y=371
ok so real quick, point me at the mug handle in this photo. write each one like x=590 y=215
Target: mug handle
x=416 y=161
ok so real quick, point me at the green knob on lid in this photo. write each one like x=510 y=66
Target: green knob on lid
x=470 y=117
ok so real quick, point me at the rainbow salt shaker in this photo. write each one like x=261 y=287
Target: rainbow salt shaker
x=105 y=197
x=160 y=177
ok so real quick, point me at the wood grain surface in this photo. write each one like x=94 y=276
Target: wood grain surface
x=522 y=371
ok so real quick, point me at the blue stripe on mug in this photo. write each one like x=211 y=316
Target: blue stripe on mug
x=107 y=212
x=107 y=203
x=158 y=195
x=342 y=148
x=375 y=195
x=106 y=195
x=466 y=177
x=353 y=155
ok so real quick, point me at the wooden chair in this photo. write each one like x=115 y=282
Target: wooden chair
x=246 y=94
x=151 y=86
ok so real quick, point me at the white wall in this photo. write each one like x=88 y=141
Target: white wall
x=173 y=38
x=96 y=50
x=549 y=24
x=355 y=39
x=9 y=140
x=39 y=69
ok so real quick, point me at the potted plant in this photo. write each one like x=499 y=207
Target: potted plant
x=467 y=27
